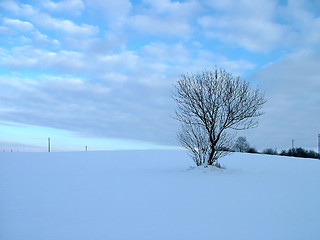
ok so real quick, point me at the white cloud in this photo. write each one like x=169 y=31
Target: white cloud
x=18 y=25
x=65 y=26
x=304 y=24
x=261 y=26
x=28 y=57
x=96 y=45
x=74 y=7
x=157 y=26
x=17 y=9
x=161 y=52
x=124 y=61
x=47 y=22
x=165 y=18
x=113 y=77
x=42 y=40
x=115 y=12
x=159 y=60
x=73 y=84
x=172 y=8
x=247 y=24
x=24 y=33
x=207 y=60
x=250 y=33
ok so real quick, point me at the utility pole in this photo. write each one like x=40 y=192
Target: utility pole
x=49 y=145
x=86 y=148
x=319 y=146
x=292 y=143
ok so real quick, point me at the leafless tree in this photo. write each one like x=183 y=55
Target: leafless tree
x=210 y=105
x=241 y=145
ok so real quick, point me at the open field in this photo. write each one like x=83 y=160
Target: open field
x=143 y=195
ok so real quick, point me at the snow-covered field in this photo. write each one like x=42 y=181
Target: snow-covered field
x=155 y=195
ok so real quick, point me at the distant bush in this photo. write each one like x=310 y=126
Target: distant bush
x=270 y=151
x=252 y=150
x=300 y=152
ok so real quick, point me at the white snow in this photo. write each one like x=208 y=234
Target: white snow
x=155 y=195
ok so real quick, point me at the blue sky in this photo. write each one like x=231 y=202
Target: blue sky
x=100 y=73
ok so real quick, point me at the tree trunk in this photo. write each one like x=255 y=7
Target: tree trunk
x=211 y=160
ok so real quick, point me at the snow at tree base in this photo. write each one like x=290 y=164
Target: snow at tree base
x=144 y=195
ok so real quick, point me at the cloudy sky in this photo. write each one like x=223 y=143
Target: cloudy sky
x=100 y=72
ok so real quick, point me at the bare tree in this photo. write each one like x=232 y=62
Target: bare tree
x=241 y=145
x=209 y=106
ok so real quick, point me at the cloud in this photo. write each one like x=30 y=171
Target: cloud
x=171 y=8
x=20 y=32
x=65 y=26
x=157 y=26
x=92 y=109
x=74 y=7
x=115 y=12
x=247 y=24
x=304 y=23
x=128 y=59
x=207 y=60
x=252 y=34
x=154 y=64
x=45 y=21
x=165 y=18
x=28 y=57
x=262 y=26
x=72 y=84
x=42 y=40
x=292 y=88
x=17 y=9
x=16 y=24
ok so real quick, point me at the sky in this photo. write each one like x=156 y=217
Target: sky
x=101 y=73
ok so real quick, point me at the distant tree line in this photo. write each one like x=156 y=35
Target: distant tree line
x=242 y=145
x=300 y=152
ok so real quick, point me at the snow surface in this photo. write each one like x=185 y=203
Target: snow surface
x=144 y=195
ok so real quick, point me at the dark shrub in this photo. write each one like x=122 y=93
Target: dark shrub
x=252 y=150
x=270 y=151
